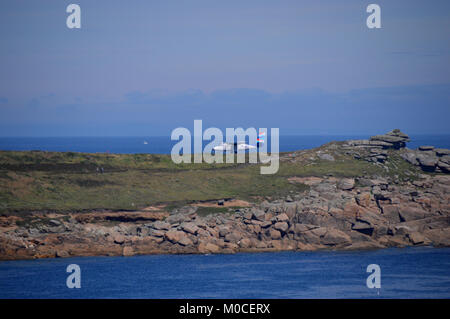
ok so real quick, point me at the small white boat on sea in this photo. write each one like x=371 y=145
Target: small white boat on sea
x=145 y=142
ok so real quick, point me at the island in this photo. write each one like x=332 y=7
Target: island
x=344 y=195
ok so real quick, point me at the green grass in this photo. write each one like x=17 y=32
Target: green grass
x=63 y=182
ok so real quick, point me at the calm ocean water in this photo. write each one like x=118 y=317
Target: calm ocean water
x=163 y=145
x=405 y=273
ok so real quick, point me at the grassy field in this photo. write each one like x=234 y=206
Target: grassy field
x=62 y=182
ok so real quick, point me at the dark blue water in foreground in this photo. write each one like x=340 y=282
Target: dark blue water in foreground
x=405 y=273
x=163 y=145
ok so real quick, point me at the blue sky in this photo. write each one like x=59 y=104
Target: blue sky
x=147 y=67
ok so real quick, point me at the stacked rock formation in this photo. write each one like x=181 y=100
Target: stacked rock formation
x=377 y=148
x=393 y=139
x=378 y=145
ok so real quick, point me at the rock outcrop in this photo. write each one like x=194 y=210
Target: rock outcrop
x=394 y=139
x=377 y=149
x=429 y=159
x=335 y=213
x=377 y=146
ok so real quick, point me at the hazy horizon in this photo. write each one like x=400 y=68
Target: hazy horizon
x=147 y=67
x=168 y=136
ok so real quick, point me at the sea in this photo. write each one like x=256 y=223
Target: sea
x=419 y=272
x=163 y=144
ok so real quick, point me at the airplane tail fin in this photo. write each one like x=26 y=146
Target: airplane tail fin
x=260 y=139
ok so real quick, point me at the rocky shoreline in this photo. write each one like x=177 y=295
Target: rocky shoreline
x=332 y=213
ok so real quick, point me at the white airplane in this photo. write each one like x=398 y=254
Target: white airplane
x=239 y=146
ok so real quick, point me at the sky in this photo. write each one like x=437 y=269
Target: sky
x=143 y=67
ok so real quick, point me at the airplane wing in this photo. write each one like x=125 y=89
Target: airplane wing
x=223 y=147
x=245 y=147
x=240 y=145
x=236 y=143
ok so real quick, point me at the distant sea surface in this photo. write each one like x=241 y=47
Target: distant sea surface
x=422 y=272
x=163 y=144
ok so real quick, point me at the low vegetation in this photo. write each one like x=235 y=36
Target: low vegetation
x=77 y=182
